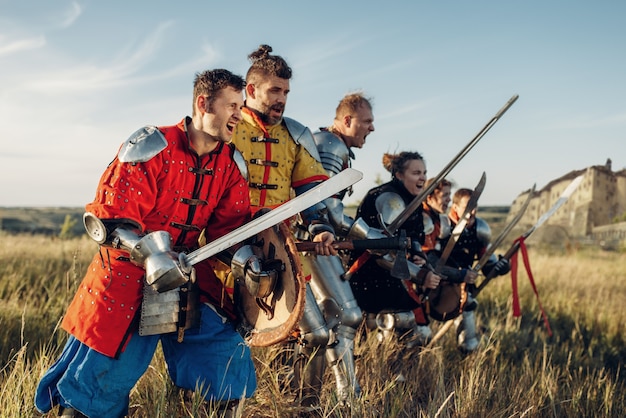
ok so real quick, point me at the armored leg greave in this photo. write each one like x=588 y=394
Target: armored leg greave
x=341 y=360
x=467 y=337
x=401 y=322
x=310 y=362
x=342 y=317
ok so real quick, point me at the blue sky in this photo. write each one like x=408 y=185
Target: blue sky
x=78 y=77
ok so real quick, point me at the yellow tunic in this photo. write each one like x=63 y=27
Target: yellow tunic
x=276 y=163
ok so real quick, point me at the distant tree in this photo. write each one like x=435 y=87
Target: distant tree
x=378 y=180
x=66 y=228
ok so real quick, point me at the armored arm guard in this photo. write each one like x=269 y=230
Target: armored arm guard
x=334 y=153
x=483 y=232
x=315 y=218
x=341 y=222
x=165 y=269
x=334 y=156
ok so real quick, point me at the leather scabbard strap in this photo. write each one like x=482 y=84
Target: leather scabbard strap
x=182 y=312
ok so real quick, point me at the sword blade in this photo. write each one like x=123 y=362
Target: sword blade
x=417 y=201
x=333 y=185
x=496 y=243
x=460 y=226
x=569 y=190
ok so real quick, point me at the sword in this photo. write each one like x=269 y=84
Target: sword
x=417 y=201
x=333 y=185
x=569 y=190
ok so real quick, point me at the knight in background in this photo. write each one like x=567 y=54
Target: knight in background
x=437 y=230
x=396 y=304
x=329 y=337
x=470 y=247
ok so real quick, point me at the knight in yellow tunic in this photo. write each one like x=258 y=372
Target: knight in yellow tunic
x=282 y=157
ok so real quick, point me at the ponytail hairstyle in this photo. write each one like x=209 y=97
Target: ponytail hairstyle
x=397 y=163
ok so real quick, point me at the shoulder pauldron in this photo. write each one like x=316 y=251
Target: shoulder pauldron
x=142 y=145
x=302 y=136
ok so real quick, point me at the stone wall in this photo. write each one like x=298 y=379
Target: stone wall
x=598 y=200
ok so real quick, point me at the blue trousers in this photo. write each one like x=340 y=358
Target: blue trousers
x=212 y=359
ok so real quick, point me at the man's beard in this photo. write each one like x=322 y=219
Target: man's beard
x=265 y=115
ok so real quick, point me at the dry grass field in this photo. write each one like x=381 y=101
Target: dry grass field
x=518 y=371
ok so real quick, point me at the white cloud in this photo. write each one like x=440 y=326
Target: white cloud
x=8 y=47
x=70 y=15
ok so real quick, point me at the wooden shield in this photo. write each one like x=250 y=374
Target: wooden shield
x=271 y=320
x=447 y=301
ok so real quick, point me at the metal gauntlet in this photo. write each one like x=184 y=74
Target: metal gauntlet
x=258 y=275
x=165 y=269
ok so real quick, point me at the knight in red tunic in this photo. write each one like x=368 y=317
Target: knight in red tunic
x=175 y=181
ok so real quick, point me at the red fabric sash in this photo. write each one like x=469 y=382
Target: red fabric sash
x=516 y=305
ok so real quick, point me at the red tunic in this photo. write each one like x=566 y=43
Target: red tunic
x=168 y=192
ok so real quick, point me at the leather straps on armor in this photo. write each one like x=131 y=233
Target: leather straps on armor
x=201 y=171
x=259 y=161
x=185 y=227
x=193 y=202
x=264 y=139
x=262 y=186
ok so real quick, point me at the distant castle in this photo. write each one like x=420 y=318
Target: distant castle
x=589 y=212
